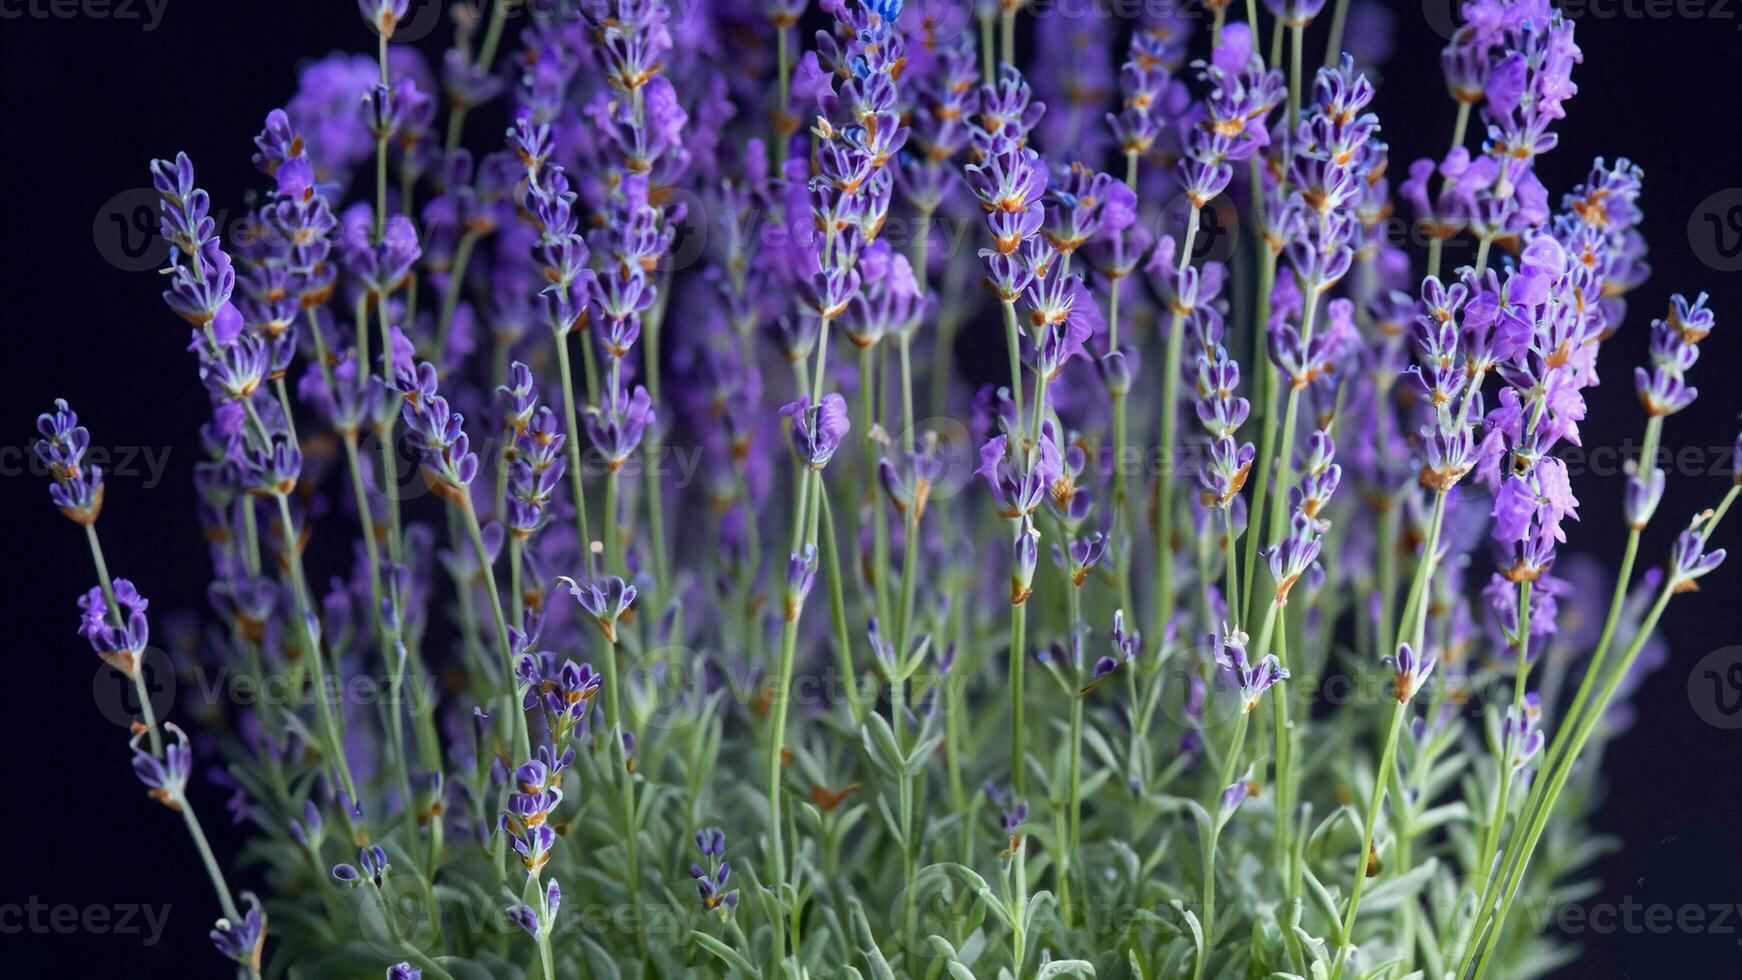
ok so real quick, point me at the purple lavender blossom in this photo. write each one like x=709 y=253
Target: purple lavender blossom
x=242 y=941
x=77 y=490
x=711 y=880
x=165 y=777
x=1253 y=678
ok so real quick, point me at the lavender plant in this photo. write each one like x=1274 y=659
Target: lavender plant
x=588 y=598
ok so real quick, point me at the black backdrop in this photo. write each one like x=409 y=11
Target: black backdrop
x=87 y=101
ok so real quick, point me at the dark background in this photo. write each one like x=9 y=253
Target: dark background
x=87 y=102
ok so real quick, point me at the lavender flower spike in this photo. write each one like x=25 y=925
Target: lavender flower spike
x=606 y=599
x=78 y=486
x=1253 y=678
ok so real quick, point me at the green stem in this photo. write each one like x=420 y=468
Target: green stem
x=476 y=533
x=1007 y=37
x=1278 y=721
x=1013 y=345
x=809 y=481
x=831 y=557
x=783 y=47
x=609 y=526
x=1415 y=607
x=333 y=728
x=1164 y=588
x=576 y=483
x=213 y=871
x=1229 y=767
x=1276 y=523
x=987 y=72
x=1230 y=566
x=904 y=808
x=1518 y=858
x=1295 y=31
x=879 y=563
x=1073 y=846
x=619 y=752
x=1334 y=44
x=371 y=547
x=389 y=487
x=1381 y=782
x=1018 y=660
x=1265 y=404
x=145 y=709
x=1503 y=783
x=451 y=294
x=1388 y=758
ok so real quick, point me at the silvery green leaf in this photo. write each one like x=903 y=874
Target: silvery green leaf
x=1038 y=903
x=891 y=825
x=599 y=962
x=1317 y=947
x=813 y=817
x=1093 y=783
x=1066 y=968
x=1192 y=926
x=867 y=942
x=1391 y=892
x=1330 y=823
x=942 y=946
x=880 y=745
x=765 y=897
x=976 y=944
x=969 y=877
x=1128 y=860
x=850 y=818
x=1383 y=969
x=916 y=657
x=1431 y=819
x=465 y=969
x=724 y=953
x=1323 y=902
x=922 y=754
x=1097 y=744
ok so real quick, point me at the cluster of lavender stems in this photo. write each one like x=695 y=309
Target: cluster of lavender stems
x=686 y=197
